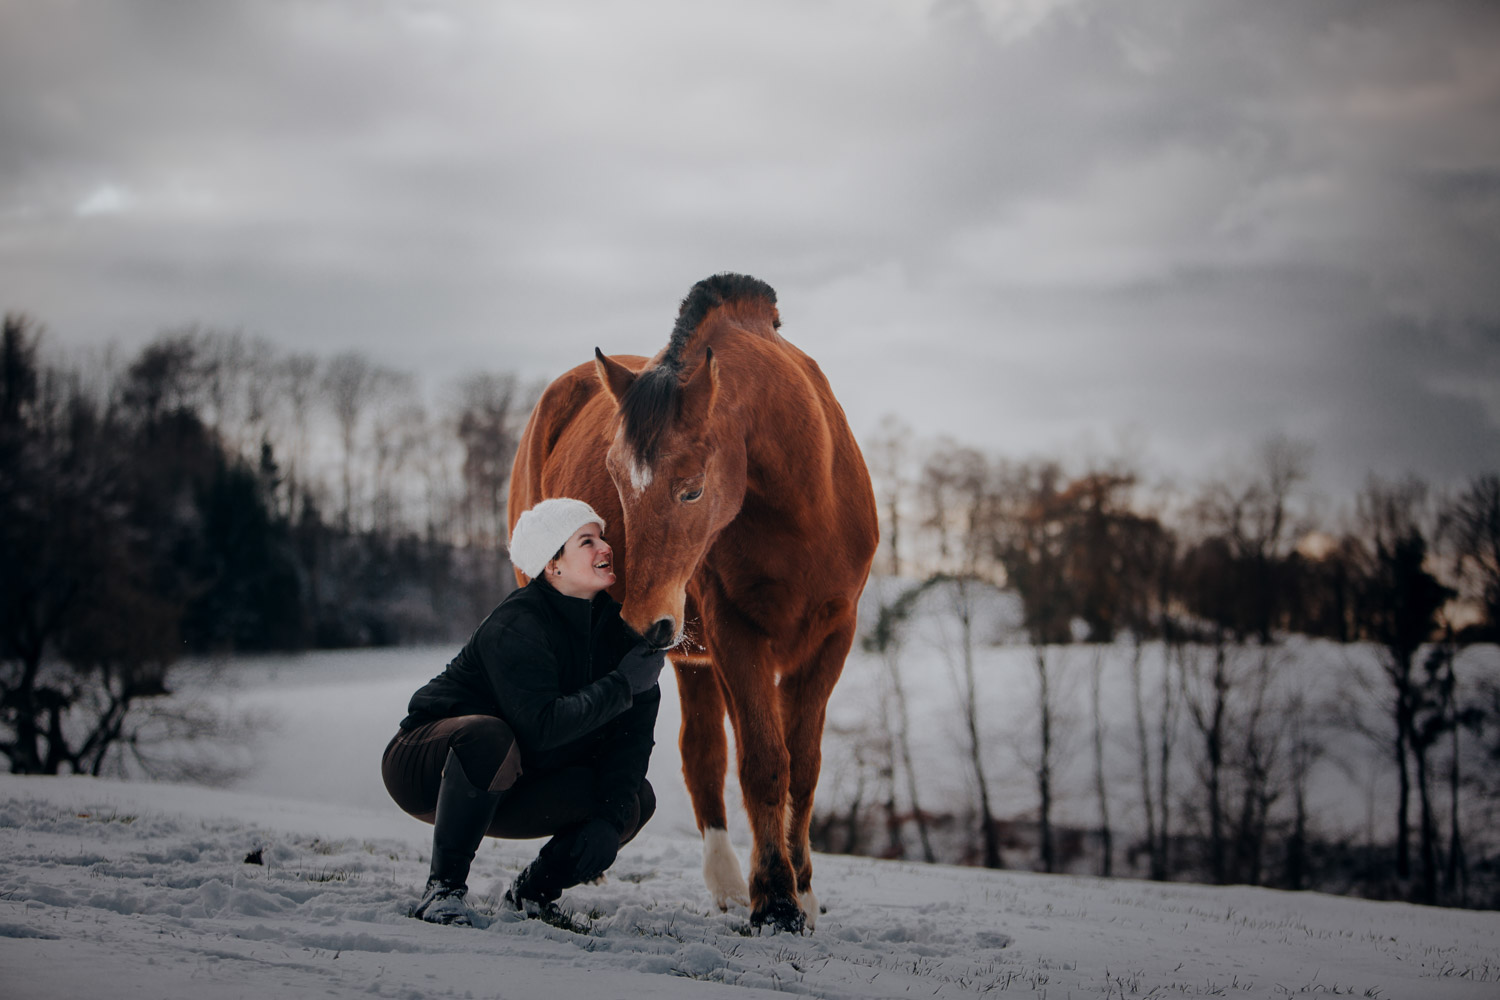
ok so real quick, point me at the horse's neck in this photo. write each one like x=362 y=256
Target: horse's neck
x=788 y=442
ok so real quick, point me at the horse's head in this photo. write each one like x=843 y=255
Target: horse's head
x=680 y=482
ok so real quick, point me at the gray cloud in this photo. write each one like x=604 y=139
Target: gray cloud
x=1026 y=225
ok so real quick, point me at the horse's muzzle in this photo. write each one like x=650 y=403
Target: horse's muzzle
x=661 y=633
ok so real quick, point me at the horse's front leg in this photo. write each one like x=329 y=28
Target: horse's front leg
x=765 y=776
x=804 y=703
x=705 y=759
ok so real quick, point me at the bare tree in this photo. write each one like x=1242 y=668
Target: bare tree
x=1229 y=693
x=435 y=463
x=1146 y=563
x=260 y=388
x=399 y=427
x=1258 y=768
x=840 y=828
x=1103 y=538
x=349 y=381
x=1158 y=734
x=958 y=485
x=1304 y=749
x=1101 y=782
x=489 y=421
x=955 y=496
x=888 y=455
x=1230 y=580
x=166 y=378
x=962 y=594
x=1031 y=541
x=1046 y=755
x=1475 y=518
x=1284 y=464
x=298 y=377
x=888 y=638
x=1208 y=679
x=1469 y=527
x=1166 y=744
x=1400 y=603
x=225 y=359
x=1252 y=518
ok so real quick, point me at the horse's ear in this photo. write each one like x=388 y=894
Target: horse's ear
x=700 y=391
x=615 y=376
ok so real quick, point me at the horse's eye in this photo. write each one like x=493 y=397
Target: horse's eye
x=691 y=495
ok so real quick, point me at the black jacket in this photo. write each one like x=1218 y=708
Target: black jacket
x=545 y=663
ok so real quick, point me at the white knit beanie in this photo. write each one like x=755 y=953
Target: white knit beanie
x=542 y=530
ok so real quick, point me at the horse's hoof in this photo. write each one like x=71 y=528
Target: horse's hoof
x=782 y=914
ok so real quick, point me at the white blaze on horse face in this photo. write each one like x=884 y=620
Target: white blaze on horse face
x=721 y=870
x=640 y=475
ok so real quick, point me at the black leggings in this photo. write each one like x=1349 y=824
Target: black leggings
x=535 y=806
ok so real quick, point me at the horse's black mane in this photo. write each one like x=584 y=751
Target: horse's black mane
x=703 y=296
x=652 y=401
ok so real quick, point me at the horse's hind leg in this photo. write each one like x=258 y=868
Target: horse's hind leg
x=804 y=704
x=705 y=759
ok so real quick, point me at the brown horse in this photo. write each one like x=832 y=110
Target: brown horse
x=744 y=524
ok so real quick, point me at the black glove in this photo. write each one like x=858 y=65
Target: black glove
x=641 y=666
x=594 y=848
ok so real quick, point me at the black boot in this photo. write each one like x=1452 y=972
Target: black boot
x=463 y=815
x=536 y=889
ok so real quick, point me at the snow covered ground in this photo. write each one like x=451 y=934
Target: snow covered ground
x=121 y=889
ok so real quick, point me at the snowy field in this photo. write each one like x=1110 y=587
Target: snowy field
x=123 y=889
x=113 y=889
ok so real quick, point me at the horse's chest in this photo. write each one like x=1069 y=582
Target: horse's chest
x=768 y=609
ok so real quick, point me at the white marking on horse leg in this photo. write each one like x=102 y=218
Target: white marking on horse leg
x=809 y=903
x=721 y=870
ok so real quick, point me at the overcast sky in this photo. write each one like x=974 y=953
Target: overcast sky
x=1039 y=227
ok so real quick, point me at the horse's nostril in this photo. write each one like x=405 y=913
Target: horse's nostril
x=660 y=634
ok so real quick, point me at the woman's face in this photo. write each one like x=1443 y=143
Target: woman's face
x=586 y=565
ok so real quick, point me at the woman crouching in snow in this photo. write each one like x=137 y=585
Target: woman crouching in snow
x=540 y=726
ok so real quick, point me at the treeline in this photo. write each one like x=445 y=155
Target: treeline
x=212 y=495
x=1194 y=597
